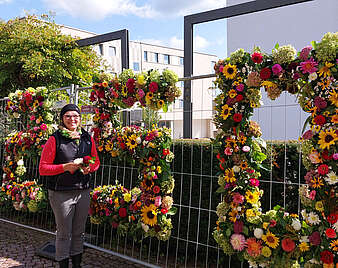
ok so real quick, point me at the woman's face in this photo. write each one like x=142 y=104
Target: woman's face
x=71 y=120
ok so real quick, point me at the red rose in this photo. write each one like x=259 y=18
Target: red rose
x=164 y=211
x=332 y=218
x=323 y=169
x=239 y=97
x=319 y=120
x=330 y=233
x=326 y=257
x=166 y=151
x=288 y=245
x=265 y=73
x=237 y=117
x=156 y=189
x=257 y=57
x=123 y=212
x=153 y=87
x=86 y=159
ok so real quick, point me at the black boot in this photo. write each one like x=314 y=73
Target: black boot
x=76 y=260
x=64 y=263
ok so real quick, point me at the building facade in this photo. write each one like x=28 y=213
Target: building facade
x=143 y=57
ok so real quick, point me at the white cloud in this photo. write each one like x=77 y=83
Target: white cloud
x=176 y=43
x=98 y=9
x=152 y=42
x=5 y=1
x=200 y=43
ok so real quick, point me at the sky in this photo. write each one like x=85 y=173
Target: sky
x=159 y=22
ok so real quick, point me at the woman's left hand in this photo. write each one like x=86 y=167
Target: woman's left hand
x=85 y=170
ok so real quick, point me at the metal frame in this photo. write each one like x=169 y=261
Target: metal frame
x=216 y=14
x=123 y=35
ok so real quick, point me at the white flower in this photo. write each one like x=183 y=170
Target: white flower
x=313 y=218
x=236 y=169
x=20 y=162
x=78 y=161
x=331 y=178
x=16 y=115
x=313 y=76
x=252 y=264
x=304 y=239
x=258 y=232
x=138 y=140
x=246 y=148
x=145 y=227
x=304 y=214
x=296 y=224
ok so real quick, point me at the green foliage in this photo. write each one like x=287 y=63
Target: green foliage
x=34 y=52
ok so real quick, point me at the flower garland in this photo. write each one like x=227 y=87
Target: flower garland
x=277 y=238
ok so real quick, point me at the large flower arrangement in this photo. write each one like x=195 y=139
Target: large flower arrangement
x=150 y=203
x=23 y=196
x=277 y=238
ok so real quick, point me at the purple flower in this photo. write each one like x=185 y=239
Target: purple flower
x=238 y=227
x=320 y=102
x=308 y=135
x=240 y=87
x=304 y=54
x=335 y=156
x=296 y=76
x=309 y=66
x=277 y=69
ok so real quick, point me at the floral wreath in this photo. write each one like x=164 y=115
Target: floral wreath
x=277 y=238
x=144 y=209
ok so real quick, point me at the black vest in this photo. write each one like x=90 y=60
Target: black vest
x=67 y=150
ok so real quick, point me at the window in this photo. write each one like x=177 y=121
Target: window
x=212 y=65
x=101 y=49
x=181 y=61
x=164 y=124
x=166 y=59
x=111 y=51
x=136 y=66
x=155 y=57
x=145 y=55
x=179 y=104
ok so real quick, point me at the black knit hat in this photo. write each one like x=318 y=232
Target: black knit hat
x=67 y=108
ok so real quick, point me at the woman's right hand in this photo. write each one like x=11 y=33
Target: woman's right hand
x=71 y=167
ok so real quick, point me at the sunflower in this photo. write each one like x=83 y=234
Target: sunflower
x=242 y=139
x=231 y=143
x=160 y=103
x=147 y=184
x=131 y=142
x=35 y=104
x=232 y=93
x=105 y=84
x=269 y=84
x=317 y=182
x=150 y=95
x=124 y=91
x=243 y=165
x=252 y=197
x=149 y=214
x=270 y=239
x=334 y=245
x=230 y=71
x=334 y=98
x=325 y=70
x=229 y=176
x=225 y=111
x=327 y=138
x=334 y=119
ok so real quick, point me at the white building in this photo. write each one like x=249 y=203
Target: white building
x=143 y=57
x=296 y=25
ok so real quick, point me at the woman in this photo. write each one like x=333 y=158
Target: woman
x=68 y=183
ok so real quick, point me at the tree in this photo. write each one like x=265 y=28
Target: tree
x=34 y=52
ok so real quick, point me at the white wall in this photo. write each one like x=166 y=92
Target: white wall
x=297 y=25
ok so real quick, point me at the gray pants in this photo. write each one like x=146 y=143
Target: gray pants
x=70 y=210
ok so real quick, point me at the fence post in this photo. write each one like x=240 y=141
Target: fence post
x=76 y=94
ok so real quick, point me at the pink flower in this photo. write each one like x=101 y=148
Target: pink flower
x=32 y=118
x=323 y=169
x=153 y=87
x=296 y=76
x=308 y=66
x=277 y=69
x=254 y=182
x=335 y=156
x=240 y=87
x=237 y=241
x=238 y=227
x=158 y=201
x=304 y=54
x=43 y=126
x=314 y=238
x=246 y=149
x=140 y=93
x=320 y=102
x=221 y=67
x=308 y=135
x=238 y=198
x=228 y=151
x=257 y=57
x=312 y=195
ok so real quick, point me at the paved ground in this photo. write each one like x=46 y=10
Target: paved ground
x=18 y=246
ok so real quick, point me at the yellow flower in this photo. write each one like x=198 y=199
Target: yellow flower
x=334 y=98
x=325 y=84
x=317 y=182
x=270 y=239
x=265 y=225
x=325 y=70
x=114 y=153
x=150 y=95
x=127 y=197
x=334 y=245
x=243 y=165
x=140 y=80
x=327 y=138
x=230 y=71
x=131 y=143
x=334 y=119
x=242 y=139
x=233 y=215
x=266 y=252
x=250 y=213
x=304 y=247
x=124 y=91
x=149 y=214
x=160 y=103
x=225 y=111
x=319 y=206
x=229 y=176
x=268 y=84
x=252 y=197
x=159 y=169
x=105 y=84
x=232 y=93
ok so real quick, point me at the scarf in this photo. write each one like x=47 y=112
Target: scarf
x=74 y=135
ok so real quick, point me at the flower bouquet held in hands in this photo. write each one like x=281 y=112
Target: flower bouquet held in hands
x=85 y=162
